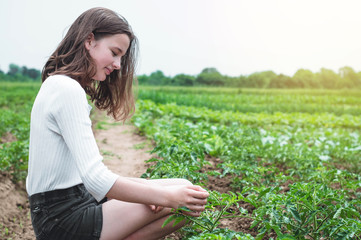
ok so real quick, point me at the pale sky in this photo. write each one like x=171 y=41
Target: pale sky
x=185 y=36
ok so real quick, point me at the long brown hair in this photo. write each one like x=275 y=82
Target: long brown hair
x=72 y=59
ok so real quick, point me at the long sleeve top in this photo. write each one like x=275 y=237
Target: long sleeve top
x=62 y=149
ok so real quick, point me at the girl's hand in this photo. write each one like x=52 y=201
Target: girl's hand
x=191 y=196
x=155 y=209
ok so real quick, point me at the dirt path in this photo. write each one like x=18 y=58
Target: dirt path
x=124 y=153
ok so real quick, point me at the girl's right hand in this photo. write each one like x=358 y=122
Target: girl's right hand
x=191 y=196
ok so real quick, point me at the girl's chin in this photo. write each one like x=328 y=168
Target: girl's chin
x=100 y=78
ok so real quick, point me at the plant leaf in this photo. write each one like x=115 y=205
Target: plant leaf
x=169 y=219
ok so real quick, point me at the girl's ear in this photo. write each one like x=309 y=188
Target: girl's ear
x=90 y=41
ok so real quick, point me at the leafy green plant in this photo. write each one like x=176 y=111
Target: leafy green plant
x=219 y=206
x=294 y=155
x=307 y=210
x=261 y=153
x=221 y=234
x=15 y=105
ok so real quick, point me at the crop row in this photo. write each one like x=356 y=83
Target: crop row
x=255 y=101
x=15 y=107
x=294 y=119
x=294 y=174
x=287 y=173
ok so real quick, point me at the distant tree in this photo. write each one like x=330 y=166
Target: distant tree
x=210 y=70
x=349 y=77
x=234 y=81
x=210 y=76
x=328 y=78
x=22 y=74
x=14 y=69
x=241 y=81
x=143 y=79
x=304 y=78
x=5 y=77
x=281 y=81
x=158 y=78
x=24 y=71
x=33 y=73
x=183 y=80
x=261 y=79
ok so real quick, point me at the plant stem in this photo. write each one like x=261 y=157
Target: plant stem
x=322 y=222
x=195 y=222
x=239 y=216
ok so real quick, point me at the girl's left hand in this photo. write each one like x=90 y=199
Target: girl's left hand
x=155 y=209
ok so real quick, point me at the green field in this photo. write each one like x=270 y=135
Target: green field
x=287 y=161
x=290 y=157
x=16 y=100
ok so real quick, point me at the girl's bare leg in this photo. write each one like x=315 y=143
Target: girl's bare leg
x=123 y=220
x=151 y=231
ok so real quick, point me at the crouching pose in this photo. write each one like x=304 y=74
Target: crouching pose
x=67 y=183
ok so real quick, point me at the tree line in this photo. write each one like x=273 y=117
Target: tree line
x=20 y=74
x=303 y=78
x=346 y=77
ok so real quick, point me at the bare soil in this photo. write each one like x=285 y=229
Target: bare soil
x=124 y=152
x=224 y=185
x=15 y=220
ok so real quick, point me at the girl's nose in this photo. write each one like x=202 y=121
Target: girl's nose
x=116 y=64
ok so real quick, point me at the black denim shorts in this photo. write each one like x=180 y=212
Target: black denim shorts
x=65 y=214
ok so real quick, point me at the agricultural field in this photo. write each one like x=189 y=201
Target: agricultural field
x=16 y=100
x=279 y=164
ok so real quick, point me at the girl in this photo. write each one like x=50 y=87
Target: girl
x=67 y=183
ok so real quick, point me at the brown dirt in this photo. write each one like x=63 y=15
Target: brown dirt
x=7 y=137
x=15 y=220
x=124 y=153
x=224 y=185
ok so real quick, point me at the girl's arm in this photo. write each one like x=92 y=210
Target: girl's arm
x=161 y=182
x=137 y=191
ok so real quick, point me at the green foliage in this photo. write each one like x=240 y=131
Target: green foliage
x=282 y=81
x=15 y=105
x=183 y=80
x=13 y=69
x=20 y=74
x=303 y=78
x=259 y=101
x=262 y=80
x=349 y=76
x=217 y=208
x=308 y=209
x=329 y=79
x=210 y=77
x=291 y=156
x=14 y=159
x=284 y=164
x=222 y=234
x=155 y=78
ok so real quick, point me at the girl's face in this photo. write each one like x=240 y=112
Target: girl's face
x=107 y=53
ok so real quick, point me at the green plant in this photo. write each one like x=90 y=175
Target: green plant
x=219 y=206
x=263 y=152
x=308 y=209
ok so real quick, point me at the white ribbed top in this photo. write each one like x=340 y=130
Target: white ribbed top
x=63 y=151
